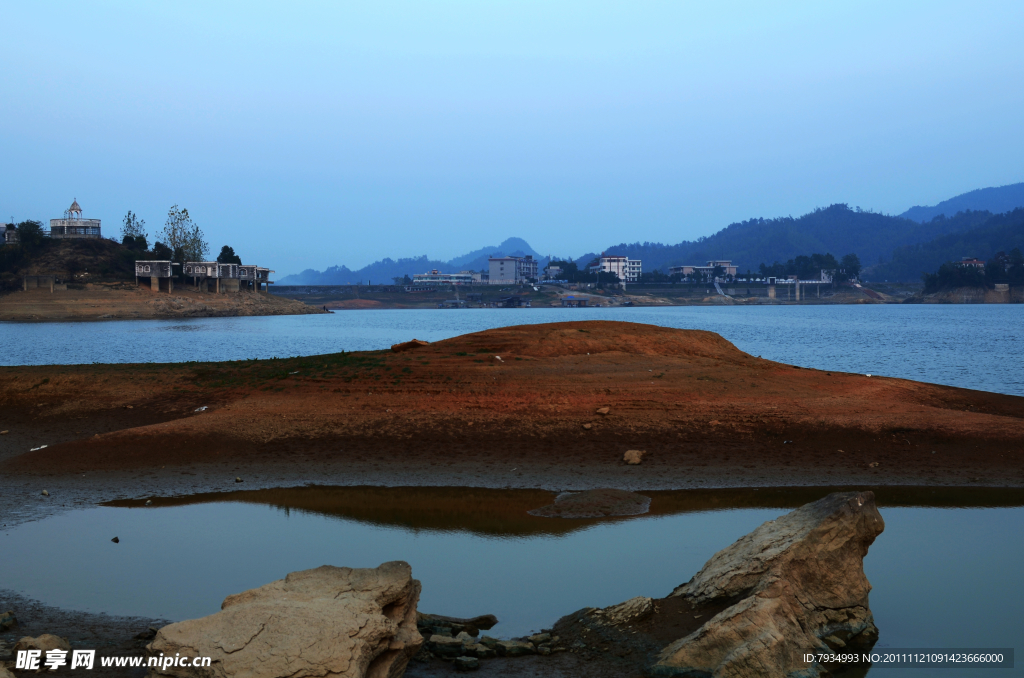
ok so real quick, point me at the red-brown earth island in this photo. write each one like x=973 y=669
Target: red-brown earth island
x=512 y=407
x=538 y=406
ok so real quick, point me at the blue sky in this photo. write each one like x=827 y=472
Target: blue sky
x=312 y=134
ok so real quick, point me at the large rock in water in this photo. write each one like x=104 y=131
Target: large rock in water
x=330 y=621
x=798 y=584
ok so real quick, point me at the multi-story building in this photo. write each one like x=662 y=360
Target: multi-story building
x=511 y=270
x=73 y=225
x=627 y=269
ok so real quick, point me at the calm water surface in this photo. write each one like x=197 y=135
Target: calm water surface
x=978 y=347
x=943 y=576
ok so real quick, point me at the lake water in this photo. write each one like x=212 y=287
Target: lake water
x=972 y=346
x=944 y=575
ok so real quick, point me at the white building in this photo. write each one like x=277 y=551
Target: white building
x=627 y=269
x=73 y=225
x=511 y=270
x=436 y=278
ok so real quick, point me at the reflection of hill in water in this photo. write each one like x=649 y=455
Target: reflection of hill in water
x=504 y=512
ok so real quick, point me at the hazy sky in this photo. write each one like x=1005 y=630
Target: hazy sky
x=312 y=134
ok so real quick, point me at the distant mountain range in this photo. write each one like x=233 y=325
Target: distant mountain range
x=385 y=270
x=890 y=247
x=995 y=200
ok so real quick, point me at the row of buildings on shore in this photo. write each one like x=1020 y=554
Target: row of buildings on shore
x=525 y=269
x=521 y=270
x=207 y=276
x=500 y=271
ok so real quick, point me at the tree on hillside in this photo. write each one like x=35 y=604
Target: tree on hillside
x=952 y=275
x=811 y=267
x=850 y=264
x=162 y=252
x=570 y=271
x=180 y=232
x=134 y=228
x=655 y=276
x=30 y=235
x=227 y=256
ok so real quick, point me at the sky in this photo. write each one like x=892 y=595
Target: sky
x=312 y=134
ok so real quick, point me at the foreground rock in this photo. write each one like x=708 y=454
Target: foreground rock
x=45 y=642
x=795 y=585
x=329 y=621
x=595 y=504
x=799 y=587
x=633 y=457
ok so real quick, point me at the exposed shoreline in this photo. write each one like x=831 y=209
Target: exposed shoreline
x=126 y=301
x=515 y=407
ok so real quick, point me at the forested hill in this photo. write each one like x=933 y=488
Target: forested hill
x=985 y=235
x=836 y=230
x=996 y=200
x=385 y=270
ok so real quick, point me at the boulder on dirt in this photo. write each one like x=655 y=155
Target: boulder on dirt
x=515 y=648
x=633 y=457
x=467 y=663
x=795 y=585
x=595 y=504
x=45 y=642
x=471 y=625
x=329 y=621
x=7 y=620
x=445 y=646
x=408 y=345
x=603 y=410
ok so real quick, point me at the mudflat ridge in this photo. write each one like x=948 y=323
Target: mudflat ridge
x=542 y=406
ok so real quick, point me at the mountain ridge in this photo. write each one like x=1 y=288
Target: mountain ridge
x=995 y=199
x=837 y=229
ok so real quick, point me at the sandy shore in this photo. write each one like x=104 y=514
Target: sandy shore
x=125 y=301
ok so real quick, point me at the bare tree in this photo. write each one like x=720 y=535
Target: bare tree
x=196 y=248
x=133 y=226
x=181 y=232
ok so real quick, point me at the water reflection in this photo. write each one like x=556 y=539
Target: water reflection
x=946 y=571
x=503 y=513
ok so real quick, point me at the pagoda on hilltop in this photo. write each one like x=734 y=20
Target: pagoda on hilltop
x=73 y=225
